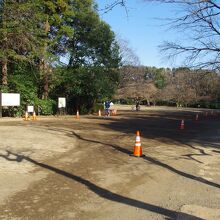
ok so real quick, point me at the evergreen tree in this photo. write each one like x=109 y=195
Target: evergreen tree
x=35 y=33
x=55 y=18
x=94 y=59
x=19 y=34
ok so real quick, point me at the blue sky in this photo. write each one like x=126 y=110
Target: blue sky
x=141 y=28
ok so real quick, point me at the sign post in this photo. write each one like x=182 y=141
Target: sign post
x=9 y=99
x=30 y=108
x=0 y=105
x=61 y=105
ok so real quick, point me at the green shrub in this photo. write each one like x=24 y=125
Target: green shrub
x=215 y=105
x=15 y=111
x=47 y=107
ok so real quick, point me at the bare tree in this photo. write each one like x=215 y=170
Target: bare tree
x=128 y=55
x=199 y=20
x=134 y=85
x=113 y=4
x=185 y=86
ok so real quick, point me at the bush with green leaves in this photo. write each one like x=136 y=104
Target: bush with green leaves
x=84 y=87
x=46 y=107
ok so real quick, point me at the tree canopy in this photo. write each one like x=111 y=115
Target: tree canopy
x=35 y=34
x=178 y=86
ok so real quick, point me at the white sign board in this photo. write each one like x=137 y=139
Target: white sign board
x=10 y=99
x=30 y=108
x=61 y=102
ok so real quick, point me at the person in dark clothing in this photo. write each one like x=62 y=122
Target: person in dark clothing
x=107 y=106
x=137 y=106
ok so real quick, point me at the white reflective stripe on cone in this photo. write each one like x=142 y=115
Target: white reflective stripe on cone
x=138 y=138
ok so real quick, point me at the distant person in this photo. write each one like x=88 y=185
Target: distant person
x=137 y=106
x=107 y=106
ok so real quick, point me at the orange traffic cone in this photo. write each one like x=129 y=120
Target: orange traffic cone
x=114 y=112
x=182 y=125
x=26 y=116
x=137 y=146
x=77 y=114
x=100 y=114
x=34 y=116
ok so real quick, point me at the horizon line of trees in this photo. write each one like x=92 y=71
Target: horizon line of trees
x=165 y=86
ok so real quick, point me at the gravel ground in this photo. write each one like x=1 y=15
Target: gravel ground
x=68 y=168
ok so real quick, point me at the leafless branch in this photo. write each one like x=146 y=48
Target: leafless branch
x=114 y=4
x=199 y=22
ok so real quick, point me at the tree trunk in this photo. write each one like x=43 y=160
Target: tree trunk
x=46 y=86
x=5 y=73
x=43 y=65
x=44 y=72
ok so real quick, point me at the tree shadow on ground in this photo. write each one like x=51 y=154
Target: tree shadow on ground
x=165 y=127
x=148 y=158
x=154 y=161
x=104 y=193
x=169 y=120
x=114 y=146
x=181 y=173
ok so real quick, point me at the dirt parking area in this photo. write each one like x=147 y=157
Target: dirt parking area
x=83 y=169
